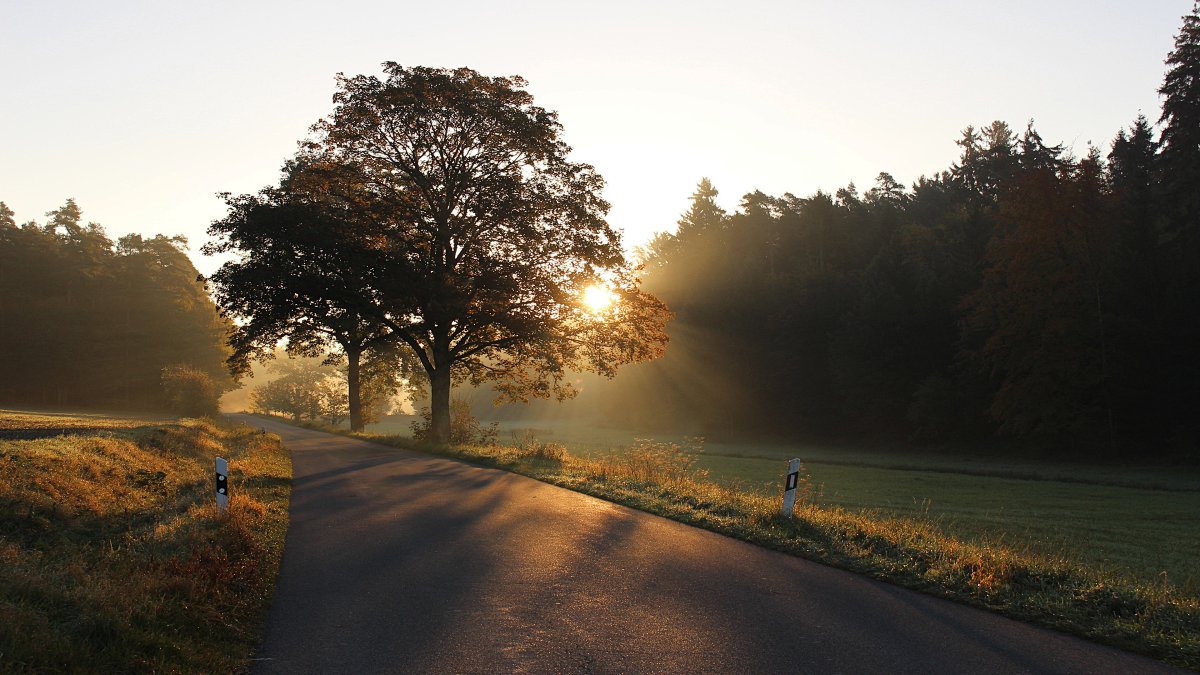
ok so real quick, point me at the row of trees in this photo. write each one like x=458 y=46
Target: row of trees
x=1023 y=291
x=85 y=321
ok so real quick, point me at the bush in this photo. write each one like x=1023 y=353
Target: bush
x=189 y=392
x=465 y=428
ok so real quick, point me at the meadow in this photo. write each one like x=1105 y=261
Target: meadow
x=114 y=554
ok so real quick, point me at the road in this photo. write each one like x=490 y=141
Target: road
x=402 y=562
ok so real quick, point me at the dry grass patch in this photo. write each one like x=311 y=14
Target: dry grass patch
x=116 y=558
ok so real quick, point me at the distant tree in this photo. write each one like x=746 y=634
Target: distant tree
x=886 y=192
x=704 y=214
x=297 y=391
x=988 y=162
x=472 y=234
x=1042 y=317
x=334 y=400
x=1141 y=363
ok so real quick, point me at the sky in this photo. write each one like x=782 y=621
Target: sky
x=142 y=111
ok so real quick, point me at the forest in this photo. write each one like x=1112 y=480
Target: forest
x=1023 y=292
x=88 y=322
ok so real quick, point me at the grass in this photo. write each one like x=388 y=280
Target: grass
x=1050 y=552
x=1138 y=532
x=115 y=557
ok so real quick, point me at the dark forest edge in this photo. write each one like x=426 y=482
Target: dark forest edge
x=86 y=322
x=1023 y=292
x=1159 y=618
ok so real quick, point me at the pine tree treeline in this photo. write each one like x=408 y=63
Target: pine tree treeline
x=86 y=322
x=1023 y=291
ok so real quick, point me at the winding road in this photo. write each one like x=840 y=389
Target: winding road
x=402 y=562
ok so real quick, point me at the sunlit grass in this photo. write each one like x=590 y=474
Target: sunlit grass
x=1126 y=531
x=115 y=557
x=1006 y=566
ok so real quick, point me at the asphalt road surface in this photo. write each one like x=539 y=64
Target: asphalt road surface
x=401 y=562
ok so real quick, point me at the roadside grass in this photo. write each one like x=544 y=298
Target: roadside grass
x=1142 y=533
x=114 y=556
x=1043 y=582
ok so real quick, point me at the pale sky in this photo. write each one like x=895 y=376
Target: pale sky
x=142 y=111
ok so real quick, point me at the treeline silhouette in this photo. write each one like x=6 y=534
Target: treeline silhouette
x=1023 y=291
x=88 y=322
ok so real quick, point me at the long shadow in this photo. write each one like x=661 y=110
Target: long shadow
x=412 y=563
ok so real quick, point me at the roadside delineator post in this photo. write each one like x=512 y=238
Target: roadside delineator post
x=789 y=488
x=222 y=485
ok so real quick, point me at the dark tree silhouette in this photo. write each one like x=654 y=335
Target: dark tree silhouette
x=464 y=230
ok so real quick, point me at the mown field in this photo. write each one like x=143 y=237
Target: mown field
x=113 y=554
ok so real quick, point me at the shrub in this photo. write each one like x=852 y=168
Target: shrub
x=465 y=428
x=189 y=392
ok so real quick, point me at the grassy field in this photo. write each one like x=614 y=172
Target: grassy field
x=115 y=557
x=1143 y=533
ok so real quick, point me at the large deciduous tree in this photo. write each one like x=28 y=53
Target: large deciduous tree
x=457 y=223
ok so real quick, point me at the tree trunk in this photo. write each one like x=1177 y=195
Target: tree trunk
x=354 y=389
x=439 y=404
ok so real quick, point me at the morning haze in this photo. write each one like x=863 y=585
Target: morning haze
x=906 y=293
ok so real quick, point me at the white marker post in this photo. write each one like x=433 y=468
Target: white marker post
x=222 y=485
x=789 y=488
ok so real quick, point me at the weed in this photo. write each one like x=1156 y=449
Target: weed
x=529 y=447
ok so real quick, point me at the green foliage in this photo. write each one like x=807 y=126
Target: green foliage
x=303 y=390
x=190 y=392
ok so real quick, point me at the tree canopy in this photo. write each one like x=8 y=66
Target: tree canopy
x=440 y=207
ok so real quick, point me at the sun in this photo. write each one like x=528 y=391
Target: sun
x=597 y=298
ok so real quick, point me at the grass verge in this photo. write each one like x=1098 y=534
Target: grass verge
x=115 y=557
x=1152 y=617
